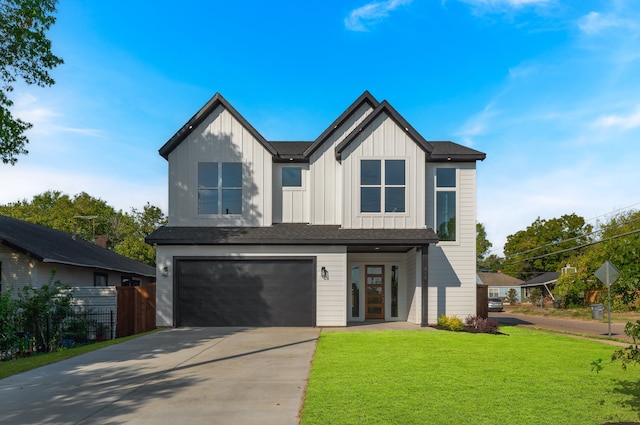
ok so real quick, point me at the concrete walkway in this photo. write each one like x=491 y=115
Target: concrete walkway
x=176 y=376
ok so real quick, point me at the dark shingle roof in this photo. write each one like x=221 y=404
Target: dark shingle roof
x=290 y=151
x=548 y=277
x=450 y=151
x=291 y=234
x=54 y=246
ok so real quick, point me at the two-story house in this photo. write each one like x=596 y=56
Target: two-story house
x=368 y=222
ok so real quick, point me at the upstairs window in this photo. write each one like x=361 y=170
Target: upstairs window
x=382 y=185
x=292 y=177
x=220 y=188
x=446 y=185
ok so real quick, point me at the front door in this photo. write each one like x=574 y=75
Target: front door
x=374 y=292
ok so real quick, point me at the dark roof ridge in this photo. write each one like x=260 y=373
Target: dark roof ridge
x=365 y=97
x=384 y=106
x=201 y=115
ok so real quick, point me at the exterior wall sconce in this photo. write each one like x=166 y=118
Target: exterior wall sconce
x=165 y=271
x=324 y=273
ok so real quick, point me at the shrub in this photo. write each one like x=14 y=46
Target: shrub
x=482 y=325
x=452 y=323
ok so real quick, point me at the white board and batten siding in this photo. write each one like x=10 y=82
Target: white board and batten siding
x=291 y=204
x=331 y=299
x=220 y=138
x=326 y=173
x=384 y=139
x=452 y=264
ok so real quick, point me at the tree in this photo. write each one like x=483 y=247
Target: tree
x=87 y=217
x=482 y=243
x=619 y=242
x=137 y=226
x=25 y=54
x=545 y=245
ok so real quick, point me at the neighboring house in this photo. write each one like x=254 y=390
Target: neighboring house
x=499 y=284
x=368 y=222
x=30 y=252
x=545 y=282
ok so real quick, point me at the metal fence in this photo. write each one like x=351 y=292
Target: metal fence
x=52 y=332
x=82 y=326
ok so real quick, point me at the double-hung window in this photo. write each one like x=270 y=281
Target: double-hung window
x=446 y=203
x=220 y=188
x=382 y=185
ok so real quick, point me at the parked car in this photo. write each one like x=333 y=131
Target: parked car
x=495 y=304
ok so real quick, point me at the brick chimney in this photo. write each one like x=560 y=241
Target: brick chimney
x=101 y=240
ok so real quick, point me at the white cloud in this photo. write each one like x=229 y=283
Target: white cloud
x=362 y=18
x=595 y=23
x=497 y=4
x=622 y=122
x=45 y=119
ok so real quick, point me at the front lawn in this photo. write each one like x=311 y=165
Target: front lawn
x=439 y=377
x=13 y=367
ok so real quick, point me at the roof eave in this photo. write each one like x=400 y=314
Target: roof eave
x=365 y=97
x=457 y=157
x=384 y=106
x=200 y=116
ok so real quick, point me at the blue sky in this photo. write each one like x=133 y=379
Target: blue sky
x=549 y=90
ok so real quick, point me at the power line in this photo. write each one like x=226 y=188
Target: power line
x=573 y=248
x=600 y=230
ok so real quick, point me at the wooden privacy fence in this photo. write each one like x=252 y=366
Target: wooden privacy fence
x=482 y=299
x=136 y=309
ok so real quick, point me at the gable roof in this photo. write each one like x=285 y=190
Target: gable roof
x=396 y=117
x=302 y=150
x=201 y=115
x=54 y=246
x=545 y=278
x=365 y=98
x=498 y=279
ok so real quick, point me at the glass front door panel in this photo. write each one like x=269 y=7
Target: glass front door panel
x=374 y=298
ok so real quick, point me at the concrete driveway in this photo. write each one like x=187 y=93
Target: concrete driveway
x=176 y=376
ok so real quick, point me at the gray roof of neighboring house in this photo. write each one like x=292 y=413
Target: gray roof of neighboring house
x=548 y=277
x=498 y=279
x=302 y=150
x=291 y=234
x=54 y=246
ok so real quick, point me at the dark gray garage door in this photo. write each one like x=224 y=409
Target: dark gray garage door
x=245 y=292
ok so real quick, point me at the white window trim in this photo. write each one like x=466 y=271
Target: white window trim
x=220 y=189
x=303 y=179
x=437 y=189
x=382 y=186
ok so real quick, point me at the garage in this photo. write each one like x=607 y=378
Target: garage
x=245 y=292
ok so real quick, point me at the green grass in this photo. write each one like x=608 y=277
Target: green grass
x=409 y=377
x=13 y=367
